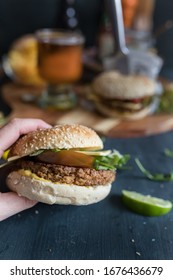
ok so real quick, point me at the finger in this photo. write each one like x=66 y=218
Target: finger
x=12 y=131
x=11 y=204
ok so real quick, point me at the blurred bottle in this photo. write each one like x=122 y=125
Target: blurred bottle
x=138 y=20
x=144 y=15
x=69 y=18
x=106 y=40
x=129 y=11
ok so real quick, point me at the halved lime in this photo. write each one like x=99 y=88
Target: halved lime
x=145 y=204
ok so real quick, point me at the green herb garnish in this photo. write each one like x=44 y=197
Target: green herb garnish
x=111 y=162
x=36 y=153
x=156 y=176
x=168 y=153
x=166 y=101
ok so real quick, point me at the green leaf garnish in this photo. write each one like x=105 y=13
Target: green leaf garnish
x=56 y=150
x=168 y=153
x=111 y=162
x=156 y=176
x=36 y=153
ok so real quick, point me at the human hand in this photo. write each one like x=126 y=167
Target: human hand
x=15 y=128
x=11 y=203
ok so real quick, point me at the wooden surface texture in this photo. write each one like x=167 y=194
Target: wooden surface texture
x=13 y=96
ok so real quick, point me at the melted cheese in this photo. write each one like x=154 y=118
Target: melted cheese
x=32 y=175
x=95 y=153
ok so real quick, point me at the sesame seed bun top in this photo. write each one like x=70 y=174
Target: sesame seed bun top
x=113 y=85
x=58 y=137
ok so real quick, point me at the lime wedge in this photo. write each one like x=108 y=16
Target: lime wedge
x=146 y=204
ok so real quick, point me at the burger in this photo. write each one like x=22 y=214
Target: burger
x=124 y=96
x=65 y=164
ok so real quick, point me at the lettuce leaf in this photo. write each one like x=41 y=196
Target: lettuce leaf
x=111 y=162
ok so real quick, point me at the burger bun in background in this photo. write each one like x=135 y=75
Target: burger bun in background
x=124 y=96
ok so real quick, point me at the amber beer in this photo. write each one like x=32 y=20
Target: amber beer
x=129 y=11
x=59 y=56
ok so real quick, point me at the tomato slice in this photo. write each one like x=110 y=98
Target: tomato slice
x=67 y=158
x=137 y=100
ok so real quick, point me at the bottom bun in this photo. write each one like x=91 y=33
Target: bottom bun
x=54 y=193
x=113 y=113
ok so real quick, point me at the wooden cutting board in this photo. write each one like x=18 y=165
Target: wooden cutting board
x=13 y=96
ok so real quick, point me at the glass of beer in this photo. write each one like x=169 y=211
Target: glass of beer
x=60 y=65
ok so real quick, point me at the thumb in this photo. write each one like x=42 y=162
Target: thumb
x=11 y=204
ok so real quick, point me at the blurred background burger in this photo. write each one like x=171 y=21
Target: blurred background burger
x=125 y=96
